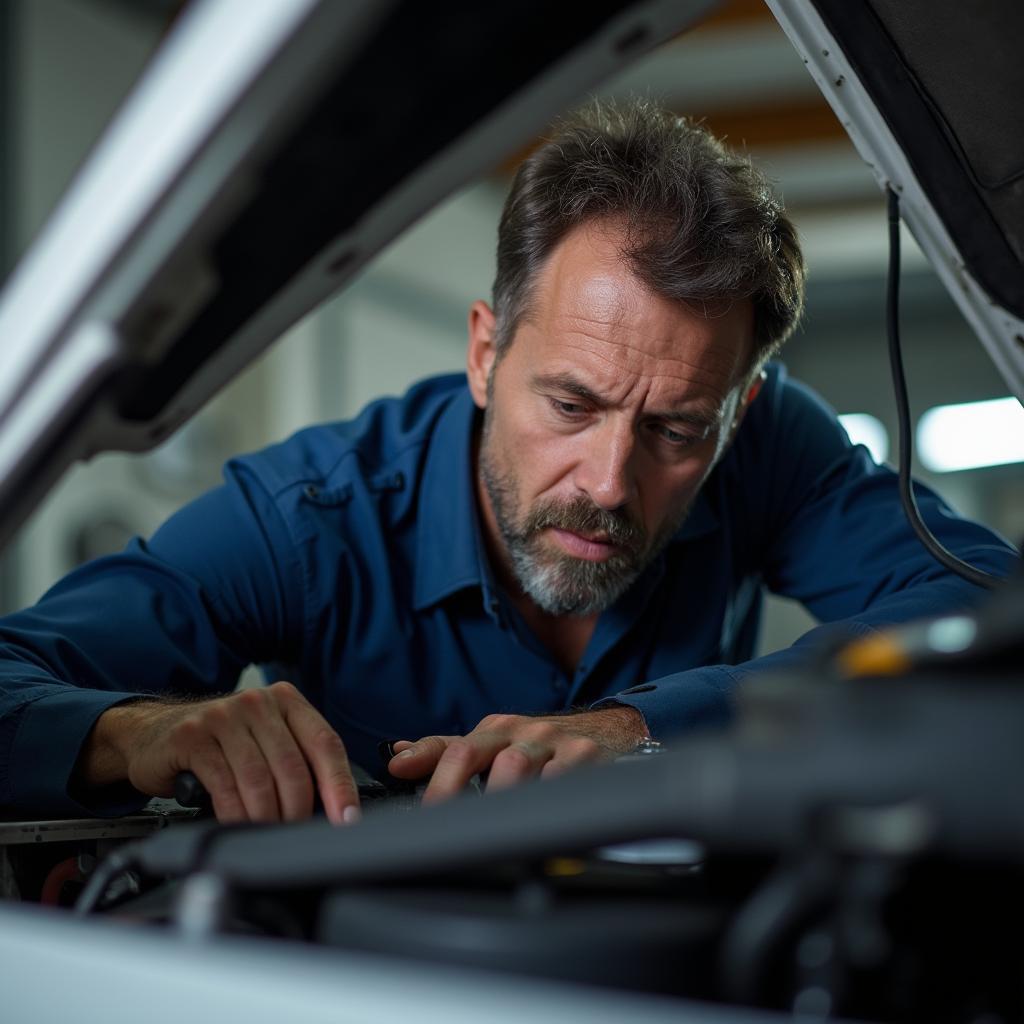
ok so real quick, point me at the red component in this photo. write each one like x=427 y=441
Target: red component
x=66 y=871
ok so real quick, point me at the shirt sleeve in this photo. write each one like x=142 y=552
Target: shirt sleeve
x=821 y=523
x=182 y=613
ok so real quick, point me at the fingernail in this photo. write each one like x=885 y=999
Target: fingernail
x=351 y=814
x=408 y=752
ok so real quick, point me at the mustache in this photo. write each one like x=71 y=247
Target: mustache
x=582 y=516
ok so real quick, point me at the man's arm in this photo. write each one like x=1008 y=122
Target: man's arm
x=824 y=525
x=182 y=614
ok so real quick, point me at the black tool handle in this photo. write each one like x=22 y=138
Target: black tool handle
x=190 y=792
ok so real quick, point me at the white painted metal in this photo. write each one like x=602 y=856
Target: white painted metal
x=55 y=969
x=184 y=95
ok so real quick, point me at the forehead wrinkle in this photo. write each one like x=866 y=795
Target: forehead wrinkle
x=678 y=368
x=665 y=347
x=610 y=319
x=709 y=409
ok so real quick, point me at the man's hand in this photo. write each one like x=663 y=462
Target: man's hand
x=258 y=752
x=515 y=747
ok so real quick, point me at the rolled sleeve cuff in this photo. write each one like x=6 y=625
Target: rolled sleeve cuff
x=680 y=703
x=47 y=743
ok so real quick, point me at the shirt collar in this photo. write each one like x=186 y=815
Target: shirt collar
x=449 y=548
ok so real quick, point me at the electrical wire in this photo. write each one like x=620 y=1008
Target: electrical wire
x=913 y=513
x=91 y=897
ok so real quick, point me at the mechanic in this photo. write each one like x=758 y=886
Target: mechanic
x=538 y=569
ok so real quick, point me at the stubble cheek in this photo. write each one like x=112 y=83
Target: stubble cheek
x=544 y=464
x=527 y=465
x=680 y=494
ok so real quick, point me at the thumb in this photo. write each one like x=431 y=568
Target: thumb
x=415 y=760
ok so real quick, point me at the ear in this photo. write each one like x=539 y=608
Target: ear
x=745 y=402
x=481 y=351
x=755 y=389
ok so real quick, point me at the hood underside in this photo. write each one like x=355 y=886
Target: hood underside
x=271 y=150
x=949 y=80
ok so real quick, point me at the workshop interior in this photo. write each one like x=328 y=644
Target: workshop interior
x=852 y=848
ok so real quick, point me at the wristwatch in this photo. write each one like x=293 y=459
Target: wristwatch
x=648 y=746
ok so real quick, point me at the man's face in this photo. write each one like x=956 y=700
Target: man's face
x=602 y=420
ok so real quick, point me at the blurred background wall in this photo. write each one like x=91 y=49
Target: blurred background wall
x=69 y=64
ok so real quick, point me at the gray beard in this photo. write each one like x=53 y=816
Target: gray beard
x=560 y=584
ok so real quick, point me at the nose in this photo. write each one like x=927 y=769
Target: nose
x=605 y=470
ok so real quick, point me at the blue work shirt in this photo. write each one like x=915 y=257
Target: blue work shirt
x=349 y=560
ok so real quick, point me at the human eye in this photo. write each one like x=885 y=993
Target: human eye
x=676 y=438
x=567 y=410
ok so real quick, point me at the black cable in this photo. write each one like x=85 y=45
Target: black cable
x=91 y=897
x=913 y=513
x=785 y=902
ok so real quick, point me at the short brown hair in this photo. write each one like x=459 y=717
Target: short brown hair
x=701 y=224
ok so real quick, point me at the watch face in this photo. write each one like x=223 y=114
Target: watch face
x=648 y=746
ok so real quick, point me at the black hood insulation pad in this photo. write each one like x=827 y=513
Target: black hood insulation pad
x=949 y=80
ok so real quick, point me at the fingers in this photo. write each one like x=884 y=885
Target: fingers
x=210 y=766
x=288 y=773
x=228 y=744
x=419 y=759
x=462 y=758
x=324 y=751
x=261 y=754
x=547 y=751
x=517 y=762
x=511 y=748
x=253 y=777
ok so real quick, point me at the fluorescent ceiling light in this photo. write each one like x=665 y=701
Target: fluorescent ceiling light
x=971 y=435
x=868 y=431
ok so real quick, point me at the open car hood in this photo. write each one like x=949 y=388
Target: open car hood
x=271 y=150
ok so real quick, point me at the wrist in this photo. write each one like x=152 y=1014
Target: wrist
x=104 y=758
x=628 y=725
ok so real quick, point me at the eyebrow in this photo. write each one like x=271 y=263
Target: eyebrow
x=566 y=383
